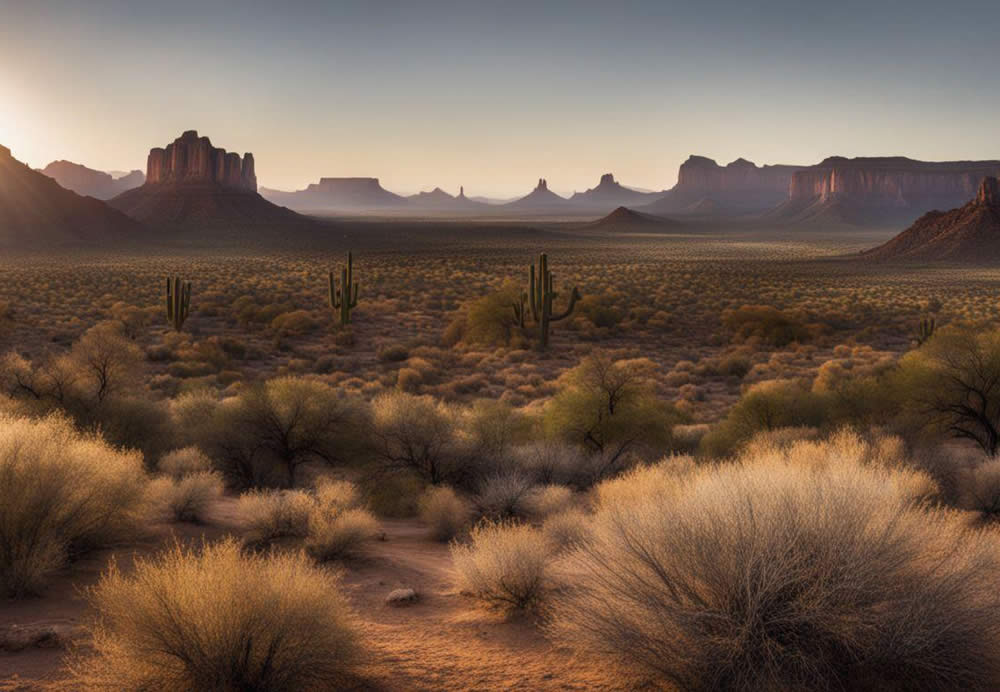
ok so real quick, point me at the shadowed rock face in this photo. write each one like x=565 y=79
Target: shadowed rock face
x=35 y=211
x=969 y=234
x=191 y=159
x=609 y=194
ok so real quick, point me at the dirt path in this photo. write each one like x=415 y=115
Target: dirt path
x=444 y=641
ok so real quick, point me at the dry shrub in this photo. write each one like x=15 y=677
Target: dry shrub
x=504 y=495
x=267 y=515
x=545 y=500
x=181 y=462
x=982 y=490
x=339 y=534
x=659 y=480
x=218 y=620
x=811 y=567
x=61 y=493
x=550 y=461
x=566 y=529
x=189 y=498
x=505 y=565
x=445 y=512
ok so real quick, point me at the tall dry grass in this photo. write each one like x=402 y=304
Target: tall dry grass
x=61 y=493
x=218 y=619
x=814 y=565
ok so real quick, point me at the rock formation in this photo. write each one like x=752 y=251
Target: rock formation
x=438 y=200
x=89 y=182
x=338 y=195
x=190 y=182
x=191 y=159
x=968 y=235
x=738 y=188
x=880 y=191
x=609 y=194
x=35 y=211
x=540 y=199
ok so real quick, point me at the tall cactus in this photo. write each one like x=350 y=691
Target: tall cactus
x=924 y=331
x=178 y=301
x=342 y=297
x=541 y=295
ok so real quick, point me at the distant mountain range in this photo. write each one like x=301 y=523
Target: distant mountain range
x=91 y=183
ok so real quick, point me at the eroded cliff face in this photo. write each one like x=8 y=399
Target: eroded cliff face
x=895 y=182
x=90 y=182
x=191 y=159
x=703 y=175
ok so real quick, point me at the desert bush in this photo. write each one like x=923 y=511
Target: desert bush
x=267 y=515
x=609 y=408
x=263 y=436
x=419 y=435
x=108 y=361
x=504 y=495
x=788 y=571
x=61 y=493
x=340 y=535
x=777 y=327
x=181 y=462
x=765 y=406
x=549 y=461
x=982 y=490
x=392 y=353
x=218 y=619
x=505 y=565
x=660 y=480
x=542 y=501
x=189 y=498
x=564 y=530
x=488 y=320
x=444 y=512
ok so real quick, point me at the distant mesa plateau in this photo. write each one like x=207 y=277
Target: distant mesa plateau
x=91 y=183
x=890 y=191
x=337 y=194
x=740 y=188
x=190 y=182
x=611 y=194
x=36 y=210
x=967 y=235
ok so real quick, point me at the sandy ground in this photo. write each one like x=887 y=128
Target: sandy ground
x=444 y=641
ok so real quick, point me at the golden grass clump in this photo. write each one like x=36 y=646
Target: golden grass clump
x=815 y=566
x=61 y=493
x=445 y=512
x=180 y=462
x=267 y=515
x=505 y=565
x=189 y=498
x=218 y=619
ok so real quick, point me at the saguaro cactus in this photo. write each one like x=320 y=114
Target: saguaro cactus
x=924 y=331
x=345 y=296
x=541 y=295
x=178 y=301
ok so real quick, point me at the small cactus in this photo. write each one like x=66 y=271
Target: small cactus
x=345 y=296
x=925 y=330
x=178 y=301
x=541 y=295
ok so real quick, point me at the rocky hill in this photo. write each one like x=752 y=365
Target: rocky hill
x=439 y=200
x=191 y=183
x=610 y=194
x=625 y=220
x=879 y=191
x=541 y=199
x=90 y=182
x=968 y=235
x=36 y=211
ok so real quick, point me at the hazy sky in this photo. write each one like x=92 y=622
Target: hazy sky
x=496 y=94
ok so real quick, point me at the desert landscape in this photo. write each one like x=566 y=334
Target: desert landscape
x=271 y=422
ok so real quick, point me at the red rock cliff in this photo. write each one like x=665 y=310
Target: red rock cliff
x=703 y=175
x=892 y=182
x=191 y=159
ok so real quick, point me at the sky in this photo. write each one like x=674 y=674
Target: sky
x=494 y=95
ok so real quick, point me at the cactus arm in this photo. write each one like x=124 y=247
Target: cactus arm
x=574 y=296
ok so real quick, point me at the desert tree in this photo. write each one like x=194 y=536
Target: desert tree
x=609 y=407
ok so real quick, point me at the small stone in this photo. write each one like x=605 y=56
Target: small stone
x=401 y=597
